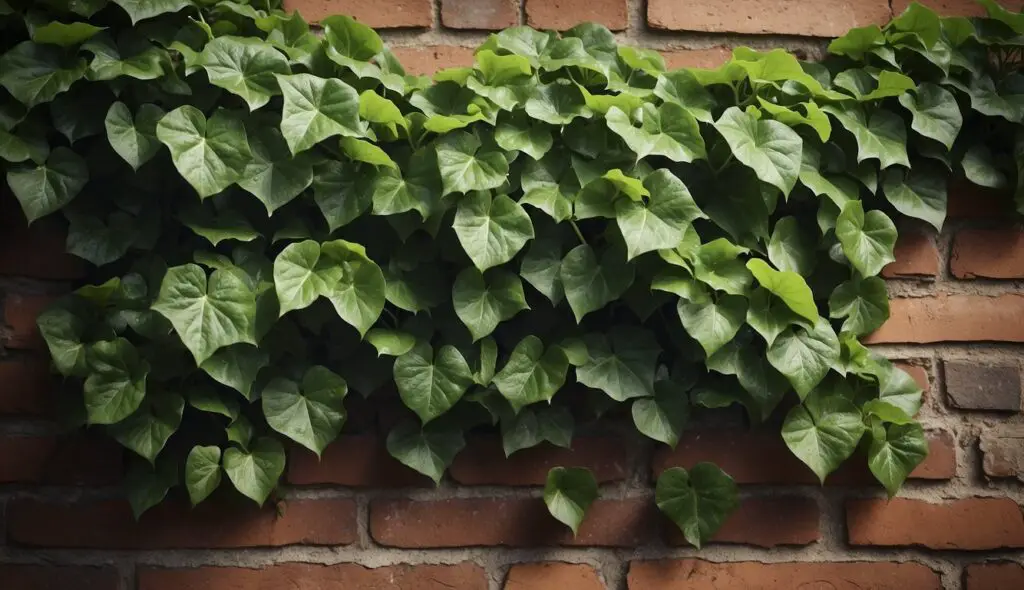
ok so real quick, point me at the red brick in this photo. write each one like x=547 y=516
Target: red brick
x=27 y=387
x=1003 y=452
x=955 y=7
x=483 y=461
x=988 y=253
x=766 y=522
x=426 y=60
x=969 y=524
x=705 y=58
x=974 y=386
x=994 y=576
x=916 y=256
x=761 y=457
x=553 y=576
x=825 y=18
x=970 y=201
x=697 y=574
x=20 y=313
x=565 y=14
x=487 y=15
x=514 y=522
x=38 y=251
x=349 y=576
x=379 y=15
x=52 y=577
x=110 y=525
x=953 y=318
x=55 y=461
x=355 y=460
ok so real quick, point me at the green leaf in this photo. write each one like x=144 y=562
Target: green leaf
x=858 y=42
x=659 y=221
x=144 y=9
x=134 y=140
x=147 y=485
x=788 y=286
x=896 y=387
x=245 y=67
x=698 y=501
x=431 y=384
x=591 y=283
x=867 y=240
x=980 y=167
x=415 y=187
x=484 y=302
x=791 y=248
x=240 y=431
x=920 y=194
x=805 y=356
x=311 y=413
x=669 y=130
x=521 y=135
x=237 y=366
x=883 y=136
x=64 y=34
x=133 y=58
x=147 y=431
x=713 y=323
x=863 y=302
x=568 y=493
x=466 y=167
x=557 y=103
x=364 y=151
x=491 y=230
x=48 y=187
x=317 y=108
x=718 y=265
x=63 y=327
x=273 y=175
x=621 y=363
x=214 y=401
x=682 y=88
x=664 y=416
x=35 y=74
x=116 y=384
x=936 y=114
x=542 y=265
x=341 y=192
x=219 y=226
x=256 y=471
x=815 y=118
x=770 y=148
x=390 y=342
x=895 y=451
x=207 y=314
x=429 y=450
x=377 y=109
x=351 y=38
x=210 y=155
x=202 y=472
x=534 y=425
x=823 y=432
x=532 y=374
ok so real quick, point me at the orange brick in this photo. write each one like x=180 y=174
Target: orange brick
x=953 y=318
x=825 y=18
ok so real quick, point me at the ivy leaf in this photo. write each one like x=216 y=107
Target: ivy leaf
x=351 y=39
x=867 y=239
x=659 y=222
x=63 y=327
x=311 y=414
x=202 y=472
x=568 y=493
x=936 y=114
x=220 y=226
x=147 y=485
x=669 y=130
x=491 y=230
x=431 y=384
x=863 y=302
x=210 y=155
x=718 y=265
x=534 y=425
x=341 y=192
x=214 y=401
x=256 y=471
x=788 y=286
x=429 y=450
x=134 y=140
x=920 y=194
x=364 y=151
x=147 y=431
x=823 y=432
x=895 y=451
x=377 y=109
x=896 y=387
x=144 y=9
x=713 y=323
x=621 y=364
x=116 y=384
x=244 y=66
x=557 y=103
x=390 y=342
x=48 y=187
x=35 y=73
x=207 y=314
x=521 y=135
x=484 y=302
x=805 y=356
x=64 y=34
x=589 y=283
x=980 y=167
x=664 y=416
x=542 y=265
x=532 y=374
x=791 y=248
x=770 y=148
x=466 y=167
x=415 y=187
x=698 y=501
x=883 y=136
x=769 y=316
x=273 y=175
x=682 y=88
x=317 y=108
x=815 y=118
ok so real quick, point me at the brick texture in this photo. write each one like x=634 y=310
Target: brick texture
x=696 y=574
x=969 y=524
x=916 y=256
x=955 y=7
x=988 y=253
x=49 y=577
x=20 y=313
x=829 y=18
x=994 y=576
x=346 y=576
x=953 y=318
x=553 y=576
x=767 y=522
x=1003 y=452
x=483 y=462
x=565 y=14
x=27 y=388
x=706 y=57
x=37 y=251
x=355 y=461
x=428 y=59
x=53 y=461
x=973 y=386
x=479 y=14
x=382 y=15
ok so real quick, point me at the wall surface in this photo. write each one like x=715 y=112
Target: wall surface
x=357 y=520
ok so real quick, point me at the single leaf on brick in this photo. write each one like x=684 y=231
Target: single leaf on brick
x=255 y=472
x=534 y=425
x=698 y=501
x=823 y=431
x=896 y=449
x=568 y=493
x=147 y=431
x=429 y=450
x=202 y=472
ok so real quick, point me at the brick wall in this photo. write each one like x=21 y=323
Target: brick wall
x=357 y=520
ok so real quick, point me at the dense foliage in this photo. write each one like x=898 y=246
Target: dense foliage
x=278 y=215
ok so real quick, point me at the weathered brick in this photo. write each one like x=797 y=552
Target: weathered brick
x=35 y=251
x=53 y=577
x=350 y=576
x=996 y=253
x=766 y=522
x=955 y=7
x=827 y=18
x=953 y=318
x=353 y=460
x=968 y=524
x=27 y=387
x=916 y=256
x=51 y=460
x=514 y=522
x=487 y=15
x=483 y=461
x=20 y=313
x=424 y=61
x=972 y=386
x=379 y=15
x=110 y=525
x=553 y=576
x=705 y=57
x=565 y=14
x=697 y=574
x=1003 y=452
x=994 y=576
x=970 y=201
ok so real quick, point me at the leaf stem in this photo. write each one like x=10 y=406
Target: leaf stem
x=724 y=165
x=579 y=234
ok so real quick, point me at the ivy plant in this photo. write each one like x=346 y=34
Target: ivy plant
x=279 y=217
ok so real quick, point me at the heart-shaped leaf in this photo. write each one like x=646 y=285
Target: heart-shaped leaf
x=48 y=187
x=491 y=230
x=311 y=413
x=698 y=501
x=867 y=239
x=202 y=472
x=805 y=356
x=863 y=302
x=466 y=166
x=895 y=451
x=134 y=140
x=770 y=148
x=591 y=283
x=147 y=431
x=317 y=108
x=568 y=492
x=621 y=364
x=431 y=384
x=210 y=154
x=244 y=66
x=823 y=432
x=429 y=450
x=255 y=472
x=484 y=301
x=532 y=374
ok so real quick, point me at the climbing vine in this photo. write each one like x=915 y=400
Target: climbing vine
x=280 y=218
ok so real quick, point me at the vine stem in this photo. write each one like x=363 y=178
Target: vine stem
x=579 y=234
x=725 y=164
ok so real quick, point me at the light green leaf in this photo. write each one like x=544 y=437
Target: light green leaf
x=714 y=323
x=788 y=286
x=274 y=176
x=466 y=167
x=144 y=9
x=429 y=450
x=256 y=471
x=521 y=135
x=48 y=187
x=35 y=73
x=491 y=230
x=698 y=501
x=863 y=302
x=895 y=451
x=210 y=155
x=805 y=356
x=621 y=364
x=718 y=265
x=682 y=88
x=659 y=221
x=351 y=38
x=202 y=472
x=116 y=384
x=669 y=130
x=483 y=302
x=134 y=140
x=568 y=493
x=791 y=248
x=431 y=384
x=237 y=367
x=312 y=413
x=867 y=240
x=815 y=118
x=770 y=148
x=415 y=187
x=936 y=114
x=823 y=432
x=147 y=431
x=390 y=342
x=557 y=103
x=590 y=283
x=883 y=136
x=532 y=374
x=920 y=194
x=364 y=151
x=316 y=109
x=244 y=66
